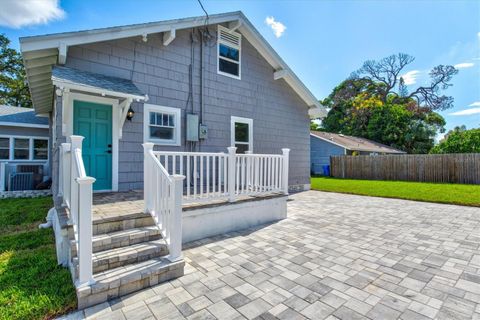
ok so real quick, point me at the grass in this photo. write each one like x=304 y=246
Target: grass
x=462 y=194
x=32 y=285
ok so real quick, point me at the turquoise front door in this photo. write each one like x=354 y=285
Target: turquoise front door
x=94 y=122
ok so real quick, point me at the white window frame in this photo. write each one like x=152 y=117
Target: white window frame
x=248 y=121
x=30 y=148
x=9 y=148
x=228 y=44
x=177 y=132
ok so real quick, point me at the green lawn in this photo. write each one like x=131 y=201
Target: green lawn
x=32 y=285
x=463 y=194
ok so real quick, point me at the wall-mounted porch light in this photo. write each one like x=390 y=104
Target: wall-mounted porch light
x=130 y=114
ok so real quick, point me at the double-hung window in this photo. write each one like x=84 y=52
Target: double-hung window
x=4 y=148
x=40 y=149
x=242 y=134
x=229 y=53
x=21 y=149
x=162 y=125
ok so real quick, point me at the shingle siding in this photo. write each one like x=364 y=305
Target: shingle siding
x=280 y=117
x=320 y=152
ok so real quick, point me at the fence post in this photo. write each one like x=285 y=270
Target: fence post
x=176 y=232
x=76 y=143
x=85 y=274
x=147 y=176
x=286 y=153
x=231 y=173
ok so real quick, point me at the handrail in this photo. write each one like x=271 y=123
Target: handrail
x=163 y=200
x=76 y=190
x=220 y=175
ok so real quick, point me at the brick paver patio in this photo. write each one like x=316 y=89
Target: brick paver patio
x=336 y=256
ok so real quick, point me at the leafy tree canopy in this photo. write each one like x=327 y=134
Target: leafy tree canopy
x=459 y=140
x=374 y=103
x=13 y=88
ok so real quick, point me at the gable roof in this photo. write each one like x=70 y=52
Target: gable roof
x=21 y=117
x=354 y=143
x=40 y=53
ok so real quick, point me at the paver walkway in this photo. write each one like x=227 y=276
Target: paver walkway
x=336 y=256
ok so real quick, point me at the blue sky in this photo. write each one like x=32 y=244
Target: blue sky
x=323 y=41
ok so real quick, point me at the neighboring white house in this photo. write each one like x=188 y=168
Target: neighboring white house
x=24 y=149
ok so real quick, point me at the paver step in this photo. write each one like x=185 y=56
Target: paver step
x=123 y=280
x=123 y=238
x=122 y=222
x=122 y=256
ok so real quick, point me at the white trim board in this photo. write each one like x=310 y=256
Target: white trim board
x=23 y=125
x=67 y=103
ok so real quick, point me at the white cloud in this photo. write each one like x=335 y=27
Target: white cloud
x=475 y=104
x=464 y=65
x=411 y=77
x=466 y=112
x=277 y=27
x=19 y=13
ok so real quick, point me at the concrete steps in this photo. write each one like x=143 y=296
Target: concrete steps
x=129 y=254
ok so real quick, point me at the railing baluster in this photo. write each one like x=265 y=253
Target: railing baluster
x=194 y=176
x=214 y=181
x=207 y=177
x=188 y=173
x=201 y=176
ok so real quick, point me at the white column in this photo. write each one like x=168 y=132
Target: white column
x=286 y=153
x=231 y=173
x=176 y=226
x=85 y=187
x=147 y=176
x=76 y=143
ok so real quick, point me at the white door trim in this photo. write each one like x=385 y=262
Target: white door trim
x=68 y=113
x=248 y=121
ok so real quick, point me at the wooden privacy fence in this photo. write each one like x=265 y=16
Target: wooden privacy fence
x=447 y=168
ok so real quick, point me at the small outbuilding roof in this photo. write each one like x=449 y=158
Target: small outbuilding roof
x=18 y=116
x=94 y=81
x=354 y=143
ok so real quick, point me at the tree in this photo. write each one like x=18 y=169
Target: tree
x=387 y=72
x=459 y=140
x=13 y=87
x=374 y=103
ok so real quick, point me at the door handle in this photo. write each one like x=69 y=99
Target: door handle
x=109 y=151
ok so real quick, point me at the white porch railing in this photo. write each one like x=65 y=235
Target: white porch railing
x=229 y=175
x=163 y=200
x=75 y=188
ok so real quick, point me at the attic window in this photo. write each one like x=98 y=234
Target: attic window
x=229 y=53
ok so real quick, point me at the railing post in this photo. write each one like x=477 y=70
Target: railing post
x=76 y=143
x=176 y=231
x=66 y=173
x=231 y=173
x=85 y=188
x=147 y=176
x=286 y=153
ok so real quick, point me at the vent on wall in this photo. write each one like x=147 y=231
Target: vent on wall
x=230 y=37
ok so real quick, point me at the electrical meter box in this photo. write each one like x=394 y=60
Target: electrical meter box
x=192 y=127
x=203 y=133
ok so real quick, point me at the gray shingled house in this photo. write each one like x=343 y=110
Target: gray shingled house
x=194 y=112
x=24 y=152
